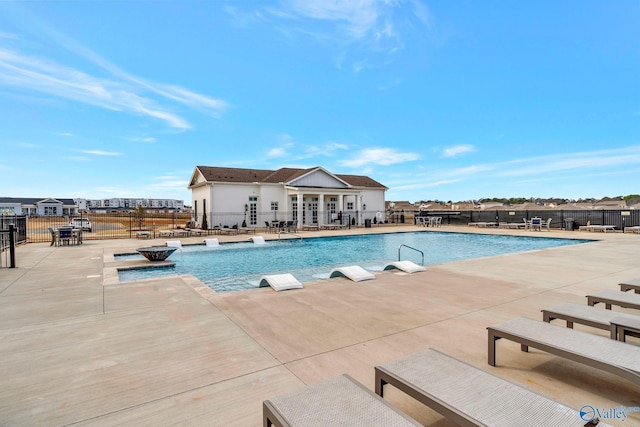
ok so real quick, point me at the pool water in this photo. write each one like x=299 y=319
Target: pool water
x=237 y=266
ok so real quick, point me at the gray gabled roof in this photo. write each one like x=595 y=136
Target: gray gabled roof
x=239 y=175
x=35 y=200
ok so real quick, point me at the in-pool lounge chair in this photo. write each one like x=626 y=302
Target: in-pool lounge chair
x=469 y=396
x=406 y=266
x=174 y=244
x=280 y=282
x=610 y=297
x=353 y=272
x=336 y=402
x=592 y=350
x=630 y=285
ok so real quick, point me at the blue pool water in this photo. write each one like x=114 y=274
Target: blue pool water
x=236 y=266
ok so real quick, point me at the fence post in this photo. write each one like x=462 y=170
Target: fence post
x=12 y=246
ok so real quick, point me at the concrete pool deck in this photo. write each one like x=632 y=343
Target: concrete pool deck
x=78 y=348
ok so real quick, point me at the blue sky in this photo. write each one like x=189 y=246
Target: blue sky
x=449 y=100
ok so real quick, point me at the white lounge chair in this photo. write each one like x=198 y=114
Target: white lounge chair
x=469 y=396
x=174 y=244
x=353 y=272
x=406 y=266
x=212 y=242
x=280 y=282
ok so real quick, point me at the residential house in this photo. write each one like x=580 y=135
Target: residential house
x=37 y=206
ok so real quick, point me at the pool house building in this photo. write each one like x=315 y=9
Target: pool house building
x=256 y=197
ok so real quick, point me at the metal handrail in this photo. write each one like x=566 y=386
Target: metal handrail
x=288 y=232
x=407 y=246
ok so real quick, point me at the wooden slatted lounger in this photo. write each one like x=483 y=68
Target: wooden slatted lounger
x=592 y=350
x=630 y=285
x=339 y=401
x=610 y=297
x=469 y=396
x=586 y=315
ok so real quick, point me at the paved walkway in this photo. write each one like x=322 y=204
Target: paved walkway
x=170 y=351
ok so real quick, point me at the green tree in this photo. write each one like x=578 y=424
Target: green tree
x=139 y=214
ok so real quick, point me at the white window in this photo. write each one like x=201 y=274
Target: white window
x=349 y=206
x=274 y=206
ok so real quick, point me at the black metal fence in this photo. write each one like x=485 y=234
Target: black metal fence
x=105 y=226
x=128 y=225
x=559 y=218
x=12 y=232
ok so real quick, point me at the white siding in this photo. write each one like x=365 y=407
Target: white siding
x=318 y=179
x=374 y=199
x=232 y=197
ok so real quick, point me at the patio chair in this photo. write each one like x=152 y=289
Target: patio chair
x=469 y=396
x=65 y=235
x=339 y=401
x=54 y=237
x=599 y=352
x=536 y=223
x=547 y=225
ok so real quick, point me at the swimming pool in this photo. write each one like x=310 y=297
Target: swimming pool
x=237 y=266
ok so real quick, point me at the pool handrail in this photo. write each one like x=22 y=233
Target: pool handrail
x=407 y=246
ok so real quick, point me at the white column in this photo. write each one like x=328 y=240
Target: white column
x=341 y=206
x=300 y=208
x=322 y=209
x=359 y=209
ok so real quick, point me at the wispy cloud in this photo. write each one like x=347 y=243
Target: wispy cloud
x=371 y=27
x=167 y=183
x=282 y=150
x=327 y=149
x=119 y=91
x=303 y=151
x=380 y=156
x=534 y=173
x=277 y=152
x=29 y=145
x=456 y=150
x=101 y=153
x=581 y=162
x=147 y=139
x=424 y=184
x=40 y=75
x=589 y=160
x=359 y=17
